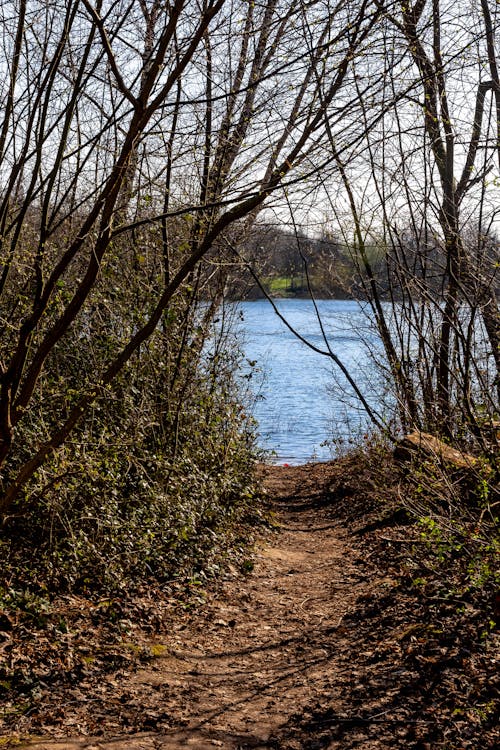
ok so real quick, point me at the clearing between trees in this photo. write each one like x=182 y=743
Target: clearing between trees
x=327 y=641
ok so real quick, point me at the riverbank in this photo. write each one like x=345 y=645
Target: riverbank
x=340 y=631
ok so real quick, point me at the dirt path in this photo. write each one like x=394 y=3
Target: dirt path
x=317 y=647
x=266 y=646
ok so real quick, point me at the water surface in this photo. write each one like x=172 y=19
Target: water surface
x=304 y=403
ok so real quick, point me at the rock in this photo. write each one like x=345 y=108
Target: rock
x=424 y=445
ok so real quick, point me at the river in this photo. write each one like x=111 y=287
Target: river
x=303 y=403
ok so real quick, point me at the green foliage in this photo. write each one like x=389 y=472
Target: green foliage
x=458 y=555
x=157 y=474
x=280 y=285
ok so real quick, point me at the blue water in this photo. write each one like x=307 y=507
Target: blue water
x=303 y=404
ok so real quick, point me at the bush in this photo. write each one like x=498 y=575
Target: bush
x=157 y=472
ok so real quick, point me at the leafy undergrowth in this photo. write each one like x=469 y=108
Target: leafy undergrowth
x=419 y=656
x=67 y=644
x=425 y=646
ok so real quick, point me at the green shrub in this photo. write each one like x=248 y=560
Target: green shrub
x=158 y=471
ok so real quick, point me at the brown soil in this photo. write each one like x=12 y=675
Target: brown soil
x=315 y=647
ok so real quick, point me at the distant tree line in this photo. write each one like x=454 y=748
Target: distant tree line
x=328 y=268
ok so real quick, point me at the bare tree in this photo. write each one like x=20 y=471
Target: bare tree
x=139 y=131
x=422 y=187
